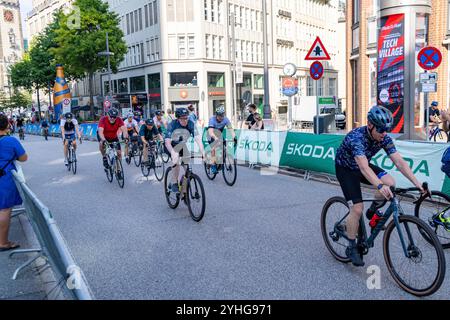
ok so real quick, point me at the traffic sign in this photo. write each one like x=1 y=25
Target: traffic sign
x=428 y=77
x=428 y=87
x=289 y=86
x=316 y=70
x=66 y=102
x=318 y=51
x=429 y=58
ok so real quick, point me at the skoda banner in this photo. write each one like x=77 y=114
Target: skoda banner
x=391 y=65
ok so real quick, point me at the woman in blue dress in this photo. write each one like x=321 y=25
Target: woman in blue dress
x=10 y=150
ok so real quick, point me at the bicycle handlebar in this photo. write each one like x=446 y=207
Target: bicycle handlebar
x=406 y=190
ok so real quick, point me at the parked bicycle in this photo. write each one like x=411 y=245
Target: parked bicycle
x=408 y=243
x=155 y=162
x=115 y=168
x=228 y=166
x=71 y=157
x=191 y=192
x=428 y=208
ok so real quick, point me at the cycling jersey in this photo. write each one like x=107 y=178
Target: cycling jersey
x=358 y=142
x=44 y=124
x=110 y=129
x=432 y=113
x=131 y=125
x=177 y=132
x=159 y=124
x=149 y=135
x=20 y=123
x=69 y=127
x=214 y=124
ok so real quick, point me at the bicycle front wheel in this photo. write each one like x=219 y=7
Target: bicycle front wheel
x=137 y=158
x=173 y=199
x=422 y=271
x=120 y=175
x=429 y=208
x=440 y=136
x=333 y=226
x=229 y=170
x=73 y=161
x=158 y=166
x=195 y=197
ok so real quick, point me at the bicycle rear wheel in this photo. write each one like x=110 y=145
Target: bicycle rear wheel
x=333 y=226
x=73 y=161
x=209 y=174
x=120 y=175
x=440 y=136
x=425 y=258
x=173 y=199
x=137 y=157
x=428 y=208
x=229 y=170
x=158 y=166
x=164 y=156
x=195 y=197
x=145 y=169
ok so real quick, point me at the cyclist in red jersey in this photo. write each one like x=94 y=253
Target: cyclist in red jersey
x=108 y=129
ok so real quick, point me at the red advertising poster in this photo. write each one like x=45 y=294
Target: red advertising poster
x=391 y=68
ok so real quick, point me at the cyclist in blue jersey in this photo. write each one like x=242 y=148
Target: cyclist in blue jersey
x=216 y=126
x=177 y=135
x=353 y=167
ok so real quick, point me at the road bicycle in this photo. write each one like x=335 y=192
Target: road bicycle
x=115 y=168
x=408 y=243
x=228 y=166
x=160 y=149
x=45 y=133
x=21 y=133
x=191 y=191
x=71 y=156
x=428 y=207
x=134 y=152
x=154 y=162
x=437 y=134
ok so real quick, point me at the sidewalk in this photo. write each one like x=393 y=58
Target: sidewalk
x=29 y=285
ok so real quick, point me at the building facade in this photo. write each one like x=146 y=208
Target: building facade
x=180 y=52
x=11 y=41
x=362 y=37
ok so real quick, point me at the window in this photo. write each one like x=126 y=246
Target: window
x=140 y=19
x=150 y=13
x=214 y=46
x=152 y=49
x=247 y=80
x=259 y=81
x=132 y=22
x=309 y=86
x=253 y=52
x=191 y=46
x=154 y=81
x=155 y=11
x=136 y=21
x=181 y=47
x=355 y=91
x=128 y=23
x=183 y=79
x=137 y=84
x=216 y=80
x=332 y=87
x=157 y=48
x=356 y=11
x=146 y=15
x=208 y=51
x=320 y=87
x=205 y=4
x=221 y=47
x=219 y=12
x=213 y=11
x=123 y=85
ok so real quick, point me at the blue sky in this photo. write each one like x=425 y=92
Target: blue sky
x=25 y=7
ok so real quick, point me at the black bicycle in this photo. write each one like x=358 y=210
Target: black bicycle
x=191 y=191
x=133 y=152
x=428 y=208
x=21 y=133
x=71 y=156
x=115 y=168
x=164 y=155
x=228 y=166
x=45 y=133
x=154 y=162
x=408 y=243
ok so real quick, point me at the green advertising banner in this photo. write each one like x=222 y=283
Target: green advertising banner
x=310 y=152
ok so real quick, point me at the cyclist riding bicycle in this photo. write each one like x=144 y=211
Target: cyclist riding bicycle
x=69 y=126
x=108 y=127
x=216 y=126
x=132 y=129
x=20 y=123
x=353 y=167
x=159 y=122
x=148 y=133
x=177 y=134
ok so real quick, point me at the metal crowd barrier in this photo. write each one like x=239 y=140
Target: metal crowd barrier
x=53 y=247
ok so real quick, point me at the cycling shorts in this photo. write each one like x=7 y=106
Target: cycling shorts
x=350 y=181
x=70 y=136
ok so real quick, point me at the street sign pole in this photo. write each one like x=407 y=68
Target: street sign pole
x=317 y=108
x=290 y=105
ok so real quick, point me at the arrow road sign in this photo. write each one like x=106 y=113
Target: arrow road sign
x=318 y=51
x=429 y=58
x=316 y=70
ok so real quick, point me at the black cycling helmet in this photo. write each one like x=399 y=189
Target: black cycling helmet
x=114 y=113
x=68 y=116
x=381 y=118
x=149 y=122
x=181 y=112
x=158 y=113
x=220 y=111
x=434 y=104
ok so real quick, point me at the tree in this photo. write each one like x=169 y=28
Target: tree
x=5 y=102
x=20 y=100
x=80 y=44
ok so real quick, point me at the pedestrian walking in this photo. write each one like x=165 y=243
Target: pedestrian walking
x=10 y=150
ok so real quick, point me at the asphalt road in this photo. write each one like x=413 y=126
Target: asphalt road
x=260 y=239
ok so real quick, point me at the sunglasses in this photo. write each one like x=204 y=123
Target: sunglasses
x=183 y=119
x=112 y=117
x=381 y=130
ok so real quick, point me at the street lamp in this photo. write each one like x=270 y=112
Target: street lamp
x=108 y=54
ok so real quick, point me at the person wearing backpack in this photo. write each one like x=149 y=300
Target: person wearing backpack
x=10 y=150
